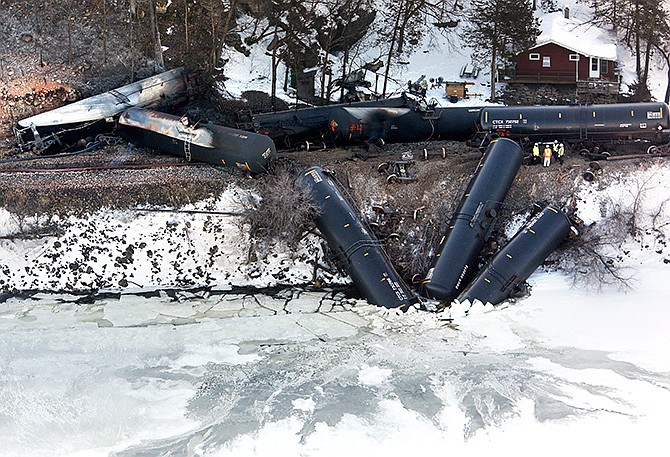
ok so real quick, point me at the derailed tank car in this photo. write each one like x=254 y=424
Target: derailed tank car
x=300 y=127
x=61 y=128
x=583 y=126
x=354 y=245
x=406 y=124
x=519 y=258
x=455 y=262
x=205 y=142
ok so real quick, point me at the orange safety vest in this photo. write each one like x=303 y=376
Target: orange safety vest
x=547 y=152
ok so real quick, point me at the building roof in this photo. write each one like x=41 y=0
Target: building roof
x=585 y=39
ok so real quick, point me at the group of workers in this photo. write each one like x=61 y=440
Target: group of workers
x=555 y=149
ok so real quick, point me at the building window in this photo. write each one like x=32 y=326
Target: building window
x=534 y=56
x=604 y=66
x=573 y=57
x=594 y=65
x=546 y=61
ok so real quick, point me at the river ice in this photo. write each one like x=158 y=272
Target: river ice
x=558 y=372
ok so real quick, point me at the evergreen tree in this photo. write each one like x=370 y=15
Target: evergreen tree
x=500 y=29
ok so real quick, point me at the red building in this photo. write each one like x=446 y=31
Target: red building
x=552 y=62
x=570 y=52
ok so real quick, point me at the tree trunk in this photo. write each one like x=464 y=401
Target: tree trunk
x=666 y=56
x=226 y=27
x=638 y=61
x=647 y=58
x=324 y=70
x=104 y=32
x=156 y=35
x=388 y=59
x=401 y=28
x=69 y=31
x=132 y=43
x=344 y=74
x=213 y=52
x=494 y=57
x=273 y=97
x=186 y=23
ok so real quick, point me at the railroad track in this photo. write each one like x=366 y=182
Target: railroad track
x=102 y=167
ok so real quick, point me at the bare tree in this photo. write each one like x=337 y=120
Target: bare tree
x=156 y=36
x=406 y=22
x=643 y=26
x=498 y=30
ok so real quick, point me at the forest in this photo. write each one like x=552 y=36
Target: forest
x=321 y=36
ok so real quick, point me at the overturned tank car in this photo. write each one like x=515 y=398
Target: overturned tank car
x=518 y=259
x=61 y=128
x=456 y=259
x=354 y=246
x=204 y=142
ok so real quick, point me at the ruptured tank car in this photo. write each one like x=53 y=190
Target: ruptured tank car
x=305 y=128
x=408 y=124
x=61 y=128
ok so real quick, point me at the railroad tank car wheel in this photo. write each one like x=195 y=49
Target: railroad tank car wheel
x=589 y=176
x=584 y=151
x=595 y=166
x=653 y=149
x=444 y=153
x=392 y=178
x=425 y=154
x=382 y=167
x=606 y=153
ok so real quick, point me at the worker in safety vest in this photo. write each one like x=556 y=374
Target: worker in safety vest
x=547 y=155
x=536 y=153
x=560 y=152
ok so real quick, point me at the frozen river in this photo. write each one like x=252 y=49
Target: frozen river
x=557 y=372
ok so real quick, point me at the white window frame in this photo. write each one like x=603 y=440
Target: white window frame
x=573 y=57
x=604 y=66
x=546 y=61
x=594 y=67
x=534 y=56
